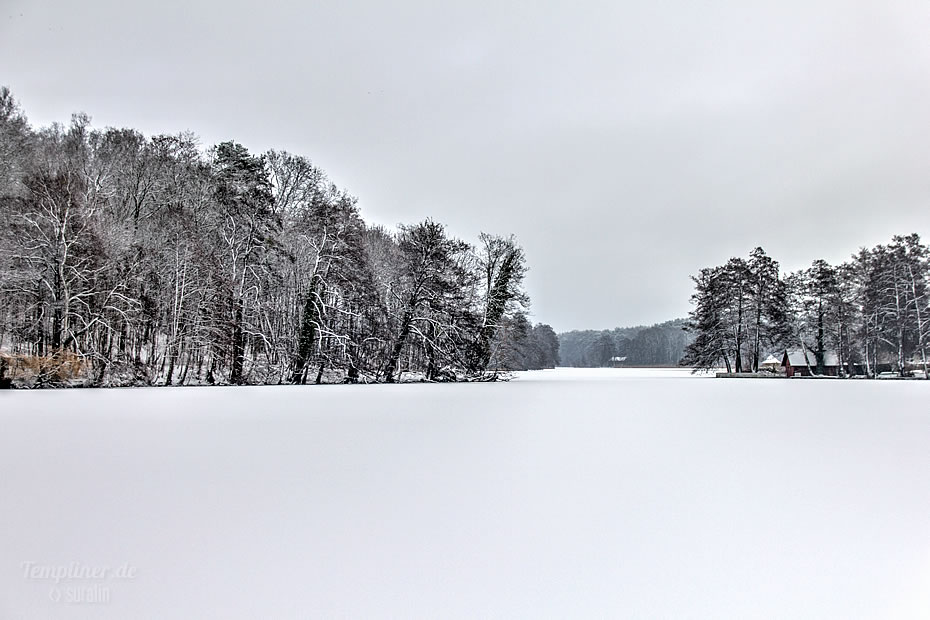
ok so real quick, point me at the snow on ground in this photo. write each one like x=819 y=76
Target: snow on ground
x=619 y=493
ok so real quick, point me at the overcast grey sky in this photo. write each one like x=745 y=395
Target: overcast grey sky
x=626 y=144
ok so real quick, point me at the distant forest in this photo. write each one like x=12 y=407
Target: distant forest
x=127 y=260
x=868 y=315
x=658 y=345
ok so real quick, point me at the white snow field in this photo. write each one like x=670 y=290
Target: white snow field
x=562 y=494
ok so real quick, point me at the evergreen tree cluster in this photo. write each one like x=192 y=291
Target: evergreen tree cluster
x=872 y=313
x=127 y=259
x=531 y=347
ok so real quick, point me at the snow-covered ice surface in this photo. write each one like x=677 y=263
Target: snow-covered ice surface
x=614 y=493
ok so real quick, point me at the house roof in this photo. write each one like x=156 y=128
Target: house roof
x=618 y=359
x=771 y=360
x=796 y=358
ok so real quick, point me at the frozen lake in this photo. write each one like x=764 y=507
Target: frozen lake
x=638 y=494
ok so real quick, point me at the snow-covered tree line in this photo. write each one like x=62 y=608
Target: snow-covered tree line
x=662 y=344
x=871 y=312
x=128 y=259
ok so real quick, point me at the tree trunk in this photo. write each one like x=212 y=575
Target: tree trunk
x=391 y=367
x=820 y=353
x=306 y=338
x=238 y=346
x=431 y=354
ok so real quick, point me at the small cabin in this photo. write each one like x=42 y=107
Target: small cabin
x=803 y=363
x=617 y=362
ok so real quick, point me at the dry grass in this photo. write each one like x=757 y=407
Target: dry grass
x=60 y=367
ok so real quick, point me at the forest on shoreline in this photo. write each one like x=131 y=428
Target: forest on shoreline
x=662 y=344
x=866 y=316
x=134 y=260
